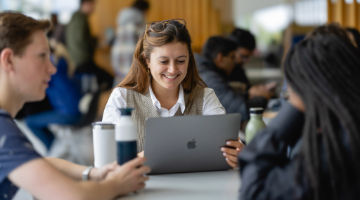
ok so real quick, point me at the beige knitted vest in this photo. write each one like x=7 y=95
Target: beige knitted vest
x=144 y=108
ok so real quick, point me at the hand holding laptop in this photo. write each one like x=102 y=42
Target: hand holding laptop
x=231 y=151
x=191 y=143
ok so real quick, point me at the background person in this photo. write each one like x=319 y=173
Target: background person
x=215 y=67
x=130 y=25
x=25 y=71
x=246 y=45
x=163 y=82
x=81 y=45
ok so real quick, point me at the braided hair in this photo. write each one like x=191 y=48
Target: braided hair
x=324 y=71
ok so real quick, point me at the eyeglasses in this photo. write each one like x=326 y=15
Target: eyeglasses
x=159 y=26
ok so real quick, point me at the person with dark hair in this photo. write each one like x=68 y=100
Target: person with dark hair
x=354 y=36
x=328 y=29
x=246 y=45
x=322 y=72
x=215 y=66
x=141 y=5
x=130 y=25
x=25 y=71
x=163 y=82
x=81 y=45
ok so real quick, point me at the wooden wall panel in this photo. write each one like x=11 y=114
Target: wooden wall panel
x=215 y=22
x=357 y=15
x=347 y=15
x=189 y=16
x=202 y=20
x=330 y=13
x=155 y=13
x=340 y=11
x=195 y=9
x=205 y=17
x=180 y=5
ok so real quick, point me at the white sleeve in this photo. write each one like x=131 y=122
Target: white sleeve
x=212 y=105
x=116 y=100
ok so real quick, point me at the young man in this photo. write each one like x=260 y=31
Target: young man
x=246 y=45
x=25 y=70
x=215 y=67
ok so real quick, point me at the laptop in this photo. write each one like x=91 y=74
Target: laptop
x=189 y=143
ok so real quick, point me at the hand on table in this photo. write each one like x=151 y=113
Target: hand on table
x=231 y=154
x=129 y=177
x=98 y=174
x=260 y=91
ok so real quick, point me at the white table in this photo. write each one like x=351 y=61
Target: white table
x=203 y=185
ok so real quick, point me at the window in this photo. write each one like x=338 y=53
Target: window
x=42 y=9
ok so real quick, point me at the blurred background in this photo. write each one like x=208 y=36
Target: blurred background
x=276 y=24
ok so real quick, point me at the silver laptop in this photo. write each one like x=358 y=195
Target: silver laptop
x=189 y=143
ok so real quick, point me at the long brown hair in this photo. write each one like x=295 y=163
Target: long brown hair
x=139 y=78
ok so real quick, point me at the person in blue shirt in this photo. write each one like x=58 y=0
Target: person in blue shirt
x=25 y=72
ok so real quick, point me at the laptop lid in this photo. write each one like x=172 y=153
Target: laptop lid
x=189 y=143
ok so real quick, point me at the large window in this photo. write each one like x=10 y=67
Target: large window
x=42 y=9
x=269 y=23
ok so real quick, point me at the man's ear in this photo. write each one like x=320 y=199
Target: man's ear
x=218 y=59
x=7 y=59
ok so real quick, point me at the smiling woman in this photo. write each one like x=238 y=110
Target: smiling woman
x=163 y=81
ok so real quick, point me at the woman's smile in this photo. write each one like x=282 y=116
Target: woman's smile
x=168 y=65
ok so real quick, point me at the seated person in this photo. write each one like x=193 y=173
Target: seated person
x=163 y=82
x=25 y=71
x=246 y=45
x=65 y=109
x=215 y=67
x=82 y=45
x=77 y=108
x=322 y=74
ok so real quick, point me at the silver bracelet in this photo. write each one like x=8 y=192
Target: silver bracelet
x=86 y=172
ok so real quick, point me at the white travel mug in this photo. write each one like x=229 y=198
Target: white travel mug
x=104 y=143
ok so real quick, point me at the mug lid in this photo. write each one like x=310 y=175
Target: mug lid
x=103 y=125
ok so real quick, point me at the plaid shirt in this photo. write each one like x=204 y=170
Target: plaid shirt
x=131 y=24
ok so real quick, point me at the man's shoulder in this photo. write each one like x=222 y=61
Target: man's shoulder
x=79 y=14
x=8 y=126
x=77 y=17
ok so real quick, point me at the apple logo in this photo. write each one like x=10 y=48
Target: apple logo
x=191 y=144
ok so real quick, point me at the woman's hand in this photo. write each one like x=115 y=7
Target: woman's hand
x=98 y=174
x=231 y=153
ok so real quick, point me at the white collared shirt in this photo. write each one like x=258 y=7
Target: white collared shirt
x=117 y=99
